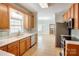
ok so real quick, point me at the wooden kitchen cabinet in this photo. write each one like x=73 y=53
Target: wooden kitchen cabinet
x=19 y=47
x=22 y=46
x=26 y=22
x=72 y=50
x=76 y=16
x=72 y=11
x=14 y=48
x=69 y=13
x=4 y=48
x=4 y=16
x=29 y=22
x=65 y=16
x=28 y=42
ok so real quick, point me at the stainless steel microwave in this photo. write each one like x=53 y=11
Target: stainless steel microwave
x=70 y=23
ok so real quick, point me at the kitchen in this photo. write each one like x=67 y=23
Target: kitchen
x=19 y=29
x=69 y=43
x=14 y=37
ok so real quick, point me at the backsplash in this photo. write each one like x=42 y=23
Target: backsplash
x=8 y=33
x=75 y=33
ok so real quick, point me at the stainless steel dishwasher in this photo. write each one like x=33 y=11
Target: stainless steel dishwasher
x=33 y=40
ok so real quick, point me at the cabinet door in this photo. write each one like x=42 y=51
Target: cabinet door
x=72 y=11
x=76 y=16
x=4 y=48
x=14 y=48
x=72 y=50
x=31 y=21
x=26 y=22
x=69 y=14
x=28 y=42
x=22 y=46
x=64 y=16
x=4 y=16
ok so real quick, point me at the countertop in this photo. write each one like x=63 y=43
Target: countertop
x=73 y=41
x=70 y=40
x=3 y=53
x=6 y=41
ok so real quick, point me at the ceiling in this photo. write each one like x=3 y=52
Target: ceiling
x=54 y=8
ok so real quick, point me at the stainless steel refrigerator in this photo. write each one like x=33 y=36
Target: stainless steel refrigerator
x=61 y=29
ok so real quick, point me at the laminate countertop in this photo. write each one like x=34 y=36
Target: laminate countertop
x=8 y=40
x=3 y=53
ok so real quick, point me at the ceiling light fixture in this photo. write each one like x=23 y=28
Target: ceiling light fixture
x=43 y=5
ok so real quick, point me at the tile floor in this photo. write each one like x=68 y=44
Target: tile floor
x=44 y=47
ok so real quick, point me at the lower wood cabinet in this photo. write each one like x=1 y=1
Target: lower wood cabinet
x=72 y=50
x=28 y=42
x=4 y=48
x=22 y=46
x=14 y=48
x=18 y=47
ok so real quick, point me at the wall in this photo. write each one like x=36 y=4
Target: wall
x=49 y=19
x=44 y=22
x=59 y=18
x=75 y=33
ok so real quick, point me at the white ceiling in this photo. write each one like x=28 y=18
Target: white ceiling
x=54 y=8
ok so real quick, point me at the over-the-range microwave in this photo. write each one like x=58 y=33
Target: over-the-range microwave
x=70 y=23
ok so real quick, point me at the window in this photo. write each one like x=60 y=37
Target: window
x=16 y=21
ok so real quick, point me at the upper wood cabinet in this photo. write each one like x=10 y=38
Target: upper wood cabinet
x=69 y=13
x=72 y=11
x=31 y=21
x=28 y=22
x=65 y=16
x=4 y=16
x=76 y=16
